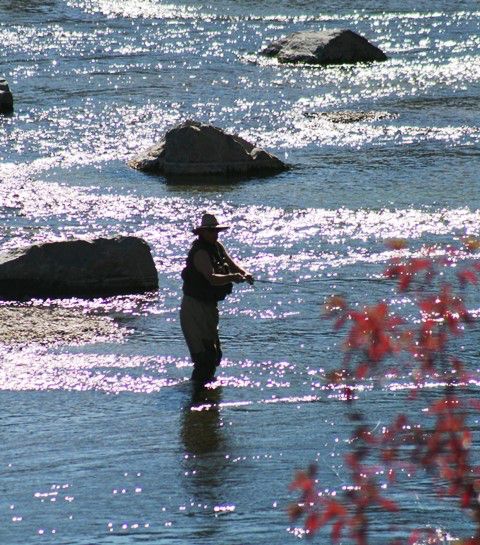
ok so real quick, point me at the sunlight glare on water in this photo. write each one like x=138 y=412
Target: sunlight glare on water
x=104 y=440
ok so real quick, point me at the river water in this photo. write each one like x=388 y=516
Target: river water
x=101 y=444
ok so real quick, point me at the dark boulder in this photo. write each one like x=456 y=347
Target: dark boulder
x=6 y=98
x=193 y=148
x=337 y=46
x=78 y=267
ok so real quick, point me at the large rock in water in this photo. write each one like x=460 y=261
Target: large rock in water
x=337 y=46
x=78 y=267
x=195 y=148
x=6 y=98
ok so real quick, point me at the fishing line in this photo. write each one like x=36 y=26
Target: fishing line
x=315 y=280
x=312 y=285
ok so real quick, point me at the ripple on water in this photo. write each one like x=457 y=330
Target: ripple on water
x=67 y=210
x=100 y=122
x=32 y=368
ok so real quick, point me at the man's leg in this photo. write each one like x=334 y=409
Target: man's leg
x=204 y=364
x=199 y=323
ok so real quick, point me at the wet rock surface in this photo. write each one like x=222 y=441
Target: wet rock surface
x=51 y=326
x=193 y=148
x=336 y=46
x=78 y=267
x=351 y=116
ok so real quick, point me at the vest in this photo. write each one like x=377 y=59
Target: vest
x=195 y=284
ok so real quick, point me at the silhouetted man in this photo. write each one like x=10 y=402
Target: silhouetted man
x=207 y=279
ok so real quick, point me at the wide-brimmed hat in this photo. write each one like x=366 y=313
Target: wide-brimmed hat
x=209 y=221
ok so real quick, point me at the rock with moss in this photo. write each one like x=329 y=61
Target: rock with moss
x=194 y=148
x=336 y=46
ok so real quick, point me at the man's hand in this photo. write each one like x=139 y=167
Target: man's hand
x=240 y=277
x=249 y=278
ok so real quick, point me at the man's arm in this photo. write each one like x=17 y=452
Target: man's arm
x=235 y=267
x=201 y=261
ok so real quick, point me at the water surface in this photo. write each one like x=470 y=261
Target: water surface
x=101 y=444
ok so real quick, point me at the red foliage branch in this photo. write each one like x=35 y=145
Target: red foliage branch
x=374 y=335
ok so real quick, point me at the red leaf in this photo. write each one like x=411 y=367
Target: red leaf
x=337 y=530
x=467 y=277
x=413 y=537
x=466 y=499
x=401 y=421
x=394 y=270
x=389 y=505
x=474 y=403
x=420 y=264
x=302 y=481
x=295 y=511
x=405 y=281
x=340 y=322
x=380 y=348
x=335 y=509
x=312 y=523
x=362 y=371
x=348 y=392
x=443 y=405
x=427 y=305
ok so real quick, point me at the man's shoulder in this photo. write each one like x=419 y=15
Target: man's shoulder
x=220 y=246
x=201 y=252
x=197 y=246
x=201 y=255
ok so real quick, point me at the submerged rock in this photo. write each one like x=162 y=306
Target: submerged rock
x=78 y=267
x=21 y=325
x=349 y=116
x=6 y=98
x=337 y=46
x=193 y=148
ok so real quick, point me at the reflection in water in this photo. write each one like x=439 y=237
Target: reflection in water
x=202 y=433
x=205 y=461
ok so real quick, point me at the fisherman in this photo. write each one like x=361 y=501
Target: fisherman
x=207 y=278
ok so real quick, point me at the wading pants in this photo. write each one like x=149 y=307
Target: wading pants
x=199 y=322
